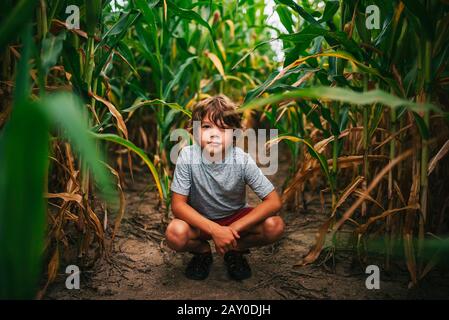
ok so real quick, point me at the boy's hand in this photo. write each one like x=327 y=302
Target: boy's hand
x=225 y=238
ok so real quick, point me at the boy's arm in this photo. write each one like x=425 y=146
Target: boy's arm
x=225 y=238
x=182 y=210
x=268 y=207
x=271 y=202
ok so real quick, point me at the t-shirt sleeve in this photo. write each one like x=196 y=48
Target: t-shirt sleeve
x=182 y=178
x=255 y=178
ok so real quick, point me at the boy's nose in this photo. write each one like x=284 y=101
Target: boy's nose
x=214 y=133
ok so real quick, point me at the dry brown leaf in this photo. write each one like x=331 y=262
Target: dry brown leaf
x=311 y=166
x=53 y=267
x=115 y=113
x=410 y=256
x=372 y=185
x=362 y=228
x=399 y=192
x=361 y=193
x=316 y=250
x=66 y=197
x=350 y=189
x=392 y=136
x=440 y=154
x=95 y=222
x=121 y=211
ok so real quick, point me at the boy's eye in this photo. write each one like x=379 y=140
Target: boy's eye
x=205 y=126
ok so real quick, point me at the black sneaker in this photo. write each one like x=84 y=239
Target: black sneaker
x=199 y=266
x=237 y=265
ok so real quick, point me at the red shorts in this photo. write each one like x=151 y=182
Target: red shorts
x=226 y=221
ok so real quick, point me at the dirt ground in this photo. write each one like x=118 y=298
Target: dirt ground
x=141 y=266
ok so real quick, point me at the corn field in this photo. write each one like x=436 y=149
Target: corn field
x=92 y=89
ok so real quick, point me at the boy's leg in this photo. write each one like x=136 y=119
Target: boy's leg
x=181 y=237
x=266 y=232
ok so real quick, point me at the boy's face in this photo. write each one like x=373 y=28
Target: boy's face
x=215 y=139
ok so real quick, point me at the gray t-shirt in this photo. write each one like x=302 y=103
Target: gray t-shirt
x=217 y=190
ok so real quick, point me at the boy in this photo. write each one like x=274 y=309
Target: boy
x=209 y=198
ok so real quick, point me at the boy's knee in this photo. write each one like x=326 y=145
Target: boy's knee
x=273 y=228
x=177 y=234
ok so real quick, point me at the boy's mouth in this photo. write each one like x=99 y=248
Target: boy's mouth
x=214 y=143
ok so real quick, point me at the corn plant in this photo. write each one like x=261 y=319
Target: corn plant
x=161 y=55
x=363 y=113
x=354 y=87
x=24 y=169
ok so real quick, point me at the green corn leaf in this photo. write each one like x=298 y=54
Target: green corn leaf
x=154 y=102
x=132 y=147
x=16 y=20
x=150 y=19
x=417 y=9
x=63 y=110
x=22 y=88
x=189 y=15
x=113 y=40
x=422 y=127
x=342 y=95
x=330 y=10
x=23 y=174
x=326 y=113
x=51 y=50
x=178 y=76
x=93 y=14
x=375 y=119
x=321 y=159
x=285 y=17
x=303 y=13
